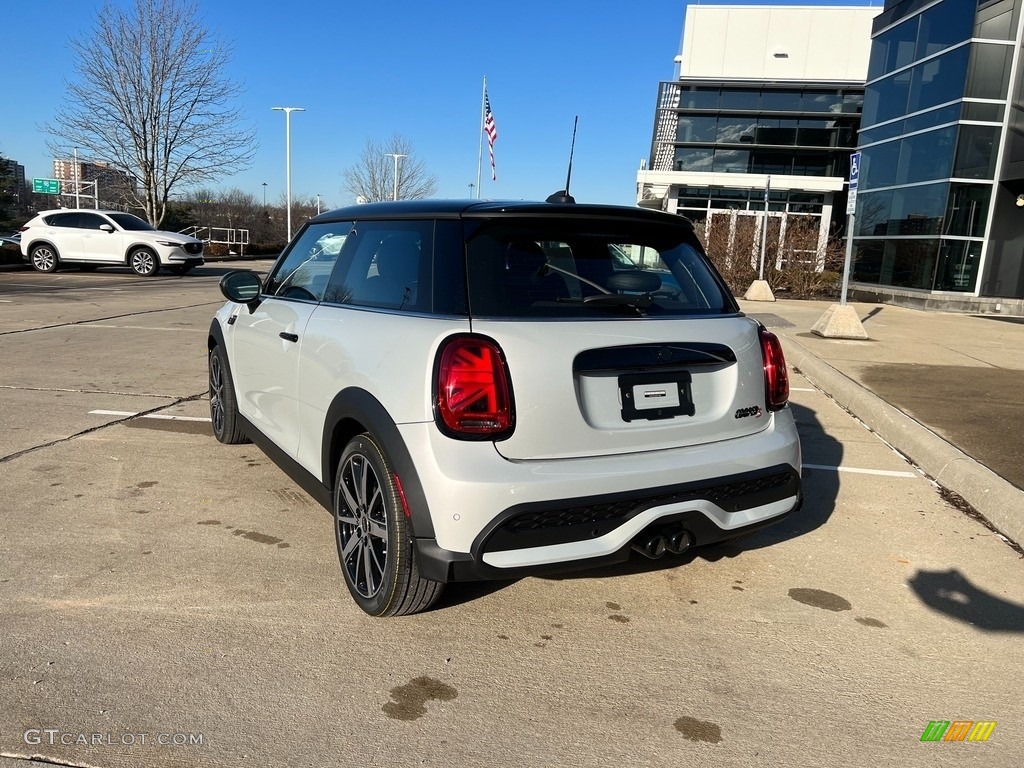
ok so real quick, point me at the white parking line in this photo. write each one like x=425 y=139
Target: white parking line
x=802 y=389
x=139 y=327
x=859 y=471
x=163 y=416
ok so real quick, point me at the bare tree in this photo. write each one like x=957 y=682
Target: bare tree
x=372 y=178
x=152 y=99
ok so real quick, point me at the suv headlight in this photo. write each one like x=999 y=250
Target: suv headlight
x=170 y=243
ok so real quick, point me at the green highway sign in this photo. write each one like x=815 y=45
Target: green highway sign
x=46 y=186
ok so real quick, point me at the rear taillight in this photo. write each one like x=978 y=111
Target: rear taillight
x=776 y=378
x=473 y=391
x=23 y=229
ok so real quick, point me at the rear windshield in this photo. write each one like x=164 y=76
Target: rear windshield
x=589 y=268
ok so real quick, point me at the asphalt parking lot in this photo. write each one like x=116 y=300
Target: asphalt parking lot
x=169 y=601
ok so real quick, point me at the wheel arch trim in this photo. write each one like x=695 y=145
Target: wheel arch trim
x=358 y=407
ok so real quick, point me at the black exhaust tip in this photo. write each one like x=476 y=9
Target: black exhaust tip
x=651 y=546
x=678 y=541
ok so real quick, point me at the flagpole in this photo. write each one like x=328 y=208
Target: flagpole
x=480 y=151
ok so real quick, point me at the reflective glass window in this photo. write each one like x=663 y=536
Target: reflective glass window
x=926 y=156
x=696 y=128
x=998 y=27
x=815 y=133
x=873 y=209
x=957 y=269
x=881 y=133
x=912 y=264
x=887 y=98
x=981 y=111
x=976 y=152
x=687 y=159
x=699 y=98
x=736 y=130
x=939 y=80
x=917 y=210
x=770 y=162
x=732 y=161
x=967 y=209
x=780 y=100
x=821 y=101
x=990 y=70
x=868 y=258
x=878 y=165
x=893 y=49
x=775 y=135
x=947 y=114
x=944 y=25
x=853 y=103
x=740 y=98
x=811 y=164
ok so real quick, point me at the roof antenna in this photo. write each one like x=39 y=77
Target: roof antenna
x=562 y=195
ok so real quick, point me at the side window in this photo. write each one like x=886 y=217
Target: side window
x=386 y=264
x=305 y=270
x=68 y=220
x=90 y=221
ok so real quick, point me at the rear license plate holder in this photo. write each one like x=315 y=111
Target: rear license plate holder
x=656 y=395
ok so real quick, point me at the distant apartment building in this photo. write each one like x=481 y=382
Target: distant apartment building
x=940 y=208
x=762 y=92
x=15 y=179
x=113 y=186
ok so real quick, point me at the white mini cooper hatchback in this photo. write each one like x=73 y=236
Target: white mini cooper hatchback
x=489 y=390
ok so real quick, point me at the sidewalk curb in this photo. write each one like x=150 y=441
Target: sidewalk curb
x=997 y=500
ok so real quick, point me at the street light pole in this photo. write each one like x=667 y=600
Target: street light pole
x=264 y=194
x=396 y=156
x=288 y=159
x=318 y=205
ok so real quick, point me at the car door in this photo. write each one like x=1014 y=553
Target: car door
x=62 y=230
x=266 y=343
x=98 y=244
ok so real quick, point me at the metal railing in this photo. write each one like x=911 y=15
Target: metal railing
x=224 y=235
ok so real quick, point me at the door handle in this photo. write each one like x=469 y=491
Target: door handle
x=289 y=336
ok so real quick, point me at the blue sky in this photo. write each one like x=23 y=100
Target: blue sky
x=368 y=69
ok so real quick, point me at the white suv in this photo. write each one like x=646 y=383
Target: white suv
x=487 y=390
x=89 y=239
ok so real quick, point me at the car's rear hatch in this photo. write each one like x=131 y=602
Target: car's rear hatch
x=593 y=389
x=618 y=334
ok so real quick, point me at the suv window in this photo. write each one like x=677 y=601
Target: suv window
x=305 y=269
x=90 y=221
x=591 y=268
x=132 y=223
x=62 y=220
x=385 y=264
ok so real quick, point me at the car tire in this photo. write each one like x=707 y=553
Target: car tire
x=143 y=262
x=44 y=258
x=374 y=538
x=223 y=406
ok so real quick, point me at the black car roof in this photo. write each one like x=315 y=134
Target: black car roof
x=485 y=208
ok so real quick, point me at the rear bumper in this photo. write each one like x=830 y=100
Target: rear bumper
x=700 y=519
x=495 y=518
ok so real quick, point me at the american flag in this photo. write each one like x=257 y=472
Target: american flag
x=491 y=129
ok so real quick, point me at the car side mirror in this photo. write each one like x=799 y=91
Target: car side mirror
x=242 y=286
x=106 y=228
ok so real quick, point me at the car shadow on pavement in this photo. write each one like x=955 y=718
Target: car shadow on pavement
x=952 y=593
x=820 y=488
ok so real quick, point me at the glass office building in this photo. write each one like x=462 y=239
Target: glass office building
x=766 y=99
x=775 y=130
x=940 y=208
